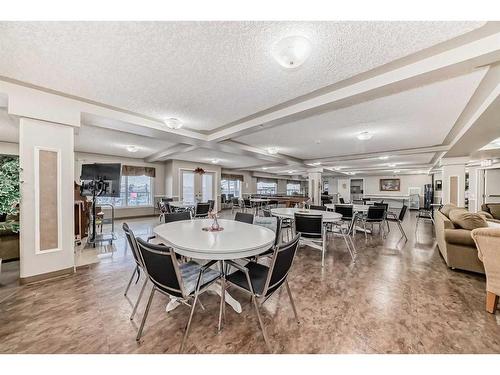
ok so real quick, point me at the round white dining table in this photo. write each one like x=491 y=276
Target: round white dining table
x=237 y=240
x=182 y=204
x=259 y=200
x=289 y=213
x=356 y=207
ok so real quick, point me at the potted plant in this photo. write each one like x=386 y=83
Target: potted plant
x=10 y=193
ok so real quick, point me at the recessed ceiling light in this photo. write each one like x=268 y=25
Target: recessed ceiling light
x=337 y=168
x=392 y=165
x=290 y=171
x=314 y=164
x=397 y=171
x=385 y=157
x=351 y=173
x=364 y=136
x=132 y=148
x=264 y=168
x=272 y=150
x=173 y=123
x=291 y=52
x=215 y=161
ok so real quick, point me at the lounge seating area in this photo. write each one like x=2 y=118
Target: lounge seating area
x=250 y=187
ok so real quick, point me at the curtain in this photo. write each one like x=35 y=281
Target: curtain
x=233 y=177
x=131 y=170
x=267 y=180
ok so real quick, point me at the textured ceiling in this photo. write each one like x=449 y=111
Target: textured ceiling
x=225 y=160
x=207 y=74
x=415 y=118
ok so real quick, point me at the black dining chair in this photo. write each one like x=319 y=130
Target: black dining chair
x=266 y=212
x=347 y=212
x=261 y=281
x=201 y=210
x=184 y=281
x=132 y=243
x=375 y=215
x=312 y=232
x=211 y=204
x=341 y=200
x=391 y=217
x=236 y=203
x=177 y=216
x=247 y=204
x=244 y=217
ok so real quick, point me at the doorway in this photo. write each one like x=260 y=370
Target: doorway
x=357 y=189
x=196 y=187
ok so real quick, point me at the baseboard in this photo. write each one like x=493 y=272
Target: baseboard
x=46 y=276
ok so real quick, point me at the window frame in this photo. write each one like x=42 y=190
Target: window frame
x=124 y=195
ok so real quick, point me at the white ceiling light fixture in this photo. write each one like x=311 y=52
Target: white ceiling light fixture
x=264 y=168
x=132 y=148
x=392 y=165
x=215 y=161
x=351 y=173
x=337 y=168
x=364 y=136
x=314 y=164
x=291 y=172
x=385 y=157
x=272 y=150
x=397 y=171
x=291 y=52
x=173 y=123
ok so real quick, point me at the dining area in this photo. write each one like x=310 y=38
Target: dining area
x=240 y=258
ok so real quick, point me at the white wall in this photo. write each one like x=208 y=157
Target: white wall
x=7 y=148
x=56 y=137
x=159 y=180
x=449 y=171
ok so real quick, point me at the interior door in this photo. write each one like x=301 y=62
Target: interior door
x=207 y=186
x=492 y=185
x=196 y=187
x=187 y=191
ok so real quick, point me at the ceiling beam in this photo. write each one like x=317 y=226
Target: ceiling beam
x=169 y=152
x=467 y=56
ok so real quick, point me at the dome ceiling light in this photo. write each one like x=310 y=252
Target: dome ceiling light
x=364 y=136
x=291 y=52
x=173 y=123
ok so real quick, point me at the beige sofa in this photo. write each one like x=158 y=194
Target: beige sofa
x=492 y=211
x=488 y=245
x=456 y=245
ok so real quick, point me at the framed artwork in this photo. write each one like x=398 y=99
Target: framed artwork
x=438 y=185
x=390 y=184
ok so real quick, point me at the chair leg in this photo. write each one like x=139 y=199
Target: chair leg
x=188 y=326
x=139 y=334
x=222 y=303
x=130 y=281
x=364 y=228
x=347 y=244
x=491 y=302
x=138 y=299
x=323 y=249
x=402 y=231
x=254 y=300
x=292 y=302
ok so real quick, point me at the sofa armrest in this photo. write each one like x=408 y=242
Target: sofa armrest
x=488 y=248
x=459 y=237
x=485 y=214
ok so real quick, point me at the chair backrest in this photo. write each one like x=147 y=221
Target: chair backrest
x=202 y=209
x=267 y=212
x=247 y=202
x=280 y=265
x=376 y=213
x=161 y=266
x=244 y=217
x=177 y=216
x=381 y=204
x=309 y=225
x=320 y=208
x=402 y=213
x=365 y=200
x=346 y=211
x=341 y=200
x=162 y=206
x=273 y=223
x=211 y=204
x=132 y=243
x=235 y=201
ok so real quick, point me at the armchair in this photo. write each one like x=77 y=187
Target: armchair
x=488 y=248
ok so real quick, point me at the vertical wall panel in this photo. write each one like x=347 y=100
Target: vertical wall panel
x=48 y=200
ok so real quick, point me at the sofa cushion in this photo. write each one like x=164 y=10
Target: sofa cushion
x=494 y=210
x=459 y=237
x=445 y=210
x=485 y=215
x=467 y=220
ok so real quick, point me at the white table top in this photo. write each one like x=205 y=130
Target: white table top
x=355 y=207
x=237 y=240
x=182 y=204
x=289 y=213
x=259 y=200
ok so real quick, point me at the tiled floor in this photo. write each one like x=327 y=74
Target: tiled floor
x=396 y=298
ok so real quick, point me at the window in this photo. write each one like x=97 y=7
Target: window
x=231 y=187
x=267 y=186
x=292 y=187
x=135 y=191
x=188 y=186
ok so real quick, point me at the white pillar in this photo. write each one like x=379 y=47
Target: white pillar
x=46 y=155
x=314 y=179
x=474 y=189
x=454 y=181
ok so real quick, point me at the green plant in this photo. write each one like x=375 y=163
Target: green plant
x=10 y=193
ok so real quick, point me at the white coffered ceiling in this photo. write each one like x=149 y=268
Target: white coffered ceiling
x=215 y=76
